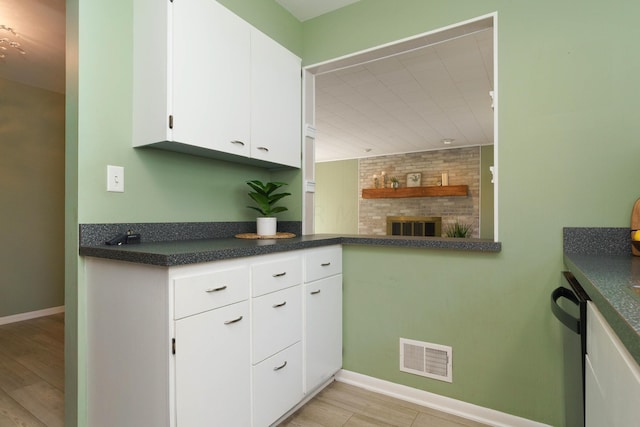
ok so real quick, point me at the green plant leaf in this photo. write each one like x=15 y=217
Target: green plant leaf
x=264 y=196
x=458 y=230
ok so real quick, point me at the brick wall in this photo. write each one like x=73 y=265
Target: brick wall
x=463 y=167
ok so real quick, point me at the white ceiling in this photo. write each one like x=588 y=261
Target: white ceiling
x=40 y=30
x=307 y=9
x=408 y=102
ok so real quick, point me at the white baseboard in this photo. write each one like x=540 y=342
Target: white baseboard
x=31 y=315
x=435 y=401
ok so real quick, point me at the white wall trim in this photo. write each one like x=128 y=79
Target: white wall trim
x=435 y=401
x=31 y=315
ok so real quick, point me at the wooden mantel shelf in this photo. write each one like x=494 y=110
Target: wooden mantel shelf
x=434 y=191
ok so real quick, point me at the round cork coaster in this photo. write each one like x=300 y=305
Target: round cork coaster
x=279 y=235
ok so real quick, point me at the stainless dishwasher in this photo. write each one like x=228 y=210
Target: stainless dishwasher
x=569 y=306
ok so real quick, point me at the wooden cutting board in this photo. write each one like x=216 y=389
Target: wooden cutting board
x=635 y=224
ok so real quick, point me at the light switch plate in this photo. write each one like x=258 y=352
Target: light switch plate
x=115 y=179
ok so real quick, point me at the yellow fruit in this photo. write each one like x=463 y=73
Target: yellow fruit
x=635 y=235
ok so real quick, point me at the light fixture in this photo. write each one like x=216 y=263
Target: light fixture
x=6 y=43
x=447 y=141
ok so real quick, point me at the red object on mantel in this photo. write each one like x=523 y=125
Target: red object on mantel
x=635 y=225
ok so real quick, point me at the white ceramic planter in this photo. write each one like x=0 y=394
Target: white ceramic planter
x=266 y=226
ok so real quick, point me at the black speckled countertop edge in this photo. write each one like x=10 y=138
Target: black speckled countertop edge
x=601 y=260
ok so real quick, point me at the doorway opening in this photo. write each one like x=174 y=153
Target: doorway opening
x=411 y=74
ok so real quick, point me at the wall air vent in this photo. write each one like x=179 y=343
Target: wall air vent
x=426 y=359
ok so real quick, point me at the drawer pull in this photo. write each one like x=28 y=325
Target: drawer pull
x=280 y=274
x=236 y=142
x=315 y=292
x=277 y=368
x=229 y=322
x=325 y=264
x=282 y=304
x=220 y=288
x=265 y=149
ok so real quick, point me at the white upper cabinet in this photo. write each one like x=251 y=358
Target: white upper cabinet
x=211 y=72
x=207 y=83
x=276 y=102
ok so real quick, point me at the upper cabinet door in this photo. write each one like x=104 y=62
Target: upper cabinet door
x=276 y=102
x=206 y=82
x=211 y=68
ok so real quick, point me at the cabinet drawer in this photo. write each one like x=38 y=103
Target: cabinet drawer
x=275 y=274
x=277 y=385
x=323 y=262
x=201 y=292
x=276 y=320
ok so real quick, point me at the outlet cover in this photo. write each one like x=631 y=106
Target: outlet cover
x=115 y=179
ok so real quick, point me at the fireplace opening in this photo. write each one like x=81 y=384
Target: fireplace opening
x=414 y=226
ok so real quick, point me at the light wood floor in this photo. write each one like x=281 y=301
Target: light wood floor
x=32 y=389
x=342 y=404
x=32 y=372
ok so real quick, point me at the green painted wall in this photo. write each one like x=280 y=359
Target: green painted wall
x=486 y=193
x=567 y=129
x=159 y=186
x=337 y=197
x=270 y=18
x=567 y=150
x=32 y=198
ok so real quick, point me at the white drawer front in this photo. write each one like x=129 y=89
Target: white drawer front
x=322 y=262
x=275 y=274
x=276 y=319
x=277 y=385
x=202 y=292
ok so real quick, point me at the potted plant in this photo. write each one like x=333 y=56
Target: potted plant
x=265 y=197
x=458 y=230
x=395 y=183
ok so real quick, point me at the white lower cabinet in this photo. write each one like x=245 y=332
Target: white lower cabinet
x=228 y=343
x=612 y=377
x=323 y=315
x=276 y=316
x=212 y=367
x=323 y=338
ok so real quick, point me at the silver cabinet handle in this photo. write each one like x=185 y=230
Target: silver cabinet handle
x=282 y=304
x=280 y=274
x=218 y=289
x=236 y=142
x=228 y=322
x=325 y=264
x=277 y=368
x=265 y=149
x=315 y=292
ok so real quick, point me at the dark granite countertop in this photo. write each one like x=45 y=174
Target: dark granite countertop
x=607 y=275
x=607 y=279
x=181 y=252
